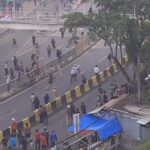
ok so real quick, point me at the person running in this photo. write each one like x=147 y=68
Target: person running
x=53 y=44
x=33 y=40
x=6 y=68
x=83 y=108
x=49 y=51
x=96 y=70
x=14 y=43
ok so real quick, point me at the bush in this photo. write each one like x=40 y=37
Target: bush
x=145 y=146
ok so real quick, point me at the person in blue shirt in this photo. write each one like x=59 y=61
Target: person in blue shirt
x=53 y=140
x=12 y=143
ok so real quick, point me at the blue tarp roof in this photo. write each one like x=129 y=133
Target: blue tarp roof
x=105 y=126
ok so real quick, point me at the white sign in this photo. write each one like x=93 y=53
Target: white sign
x=76 y=123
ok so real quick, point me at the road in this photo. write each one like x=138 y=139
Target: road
x=57 y=122
x=24 y=44
x=19 y=106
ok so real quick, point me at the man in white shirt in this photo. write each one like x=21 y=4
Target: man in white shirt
x=32 y=100
x=96 y=70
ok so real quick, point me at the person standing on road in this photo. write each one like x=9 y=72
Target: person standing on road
x=96 y=70
x=49 y=51
x=69 y=115
x=53 y=140
x=43 y=142
x=62 y=31
x=32 y=100
x=37 y=139
x=109 y=57
x=12 y=143
x=33 y=40
x=83 y=79
x=46 y=98
x=15 y=61
x=4 y=143
x=13 y=127
x=51 y=78
x=12 y=74
x=72 y=74
x=6 y=68
x=8 y=80
x=27 y=131
x=58 y=54
x=14 y=43
x=53 y=44
x=83 y=108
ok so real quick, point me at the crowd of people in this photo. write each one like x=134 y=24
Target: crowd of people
x=40 y=139
x=34 y=69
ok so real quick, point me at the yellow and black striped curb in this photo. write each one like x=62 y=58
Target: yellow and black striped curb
x=69 y=96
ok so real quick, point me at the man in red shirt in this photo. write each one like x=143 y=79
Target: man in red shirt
x=13 y=127
x=37 y=139
x=43 y=141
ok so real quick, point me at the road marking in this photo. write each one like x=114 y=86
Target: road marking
x=9 y=114
x=11 y=98
x=102 y=59
x=24 y=52
x=29 y=39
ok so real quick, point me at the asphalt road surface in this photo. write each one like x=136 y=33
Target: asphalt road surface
x=19 y=106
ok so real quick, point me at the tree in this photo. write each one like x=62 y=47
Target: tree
x=121 y=22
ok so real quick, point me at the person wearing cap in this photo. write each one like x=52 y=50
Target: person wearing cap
x=13 y=127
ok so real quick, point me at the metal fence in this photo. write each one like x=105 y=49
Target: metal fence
x=89 y=142
x=43 y=70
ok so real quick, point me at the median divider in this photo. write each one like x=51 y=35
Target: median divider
x=69 y=97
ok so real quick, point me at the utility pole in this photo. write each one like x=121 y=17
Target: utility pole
x=138 y=78
x=59 y=3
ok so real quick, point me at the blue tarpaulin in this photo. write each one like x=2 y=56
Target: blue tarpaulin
x=105 y=126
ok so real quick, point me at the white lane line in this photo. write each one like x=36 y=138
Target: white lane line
x=9 y=114
x=102 y=59
x=20 y=54
x=28 y=40
x=13 y=97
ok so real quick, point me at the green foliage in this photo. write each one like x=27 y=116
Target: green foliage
x=76 y=20
x=147 y=96
x=145 y=146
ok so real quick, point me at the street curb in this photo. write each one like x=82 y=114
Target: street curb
x=68 y=97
